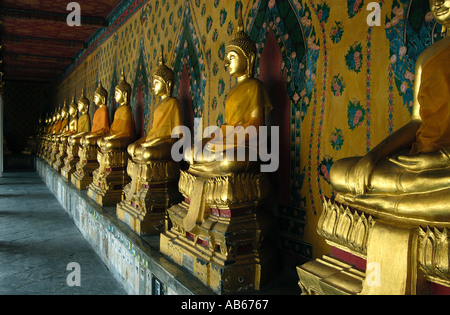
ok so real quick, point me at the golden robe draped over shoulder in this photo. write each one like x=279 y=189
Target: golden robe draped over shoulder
x=101 y=120
x=243 y=101
x=434 y=99
x=57 y=127
x=123 y=124
x=84 y=123
x=64 y=124
x=166 y=117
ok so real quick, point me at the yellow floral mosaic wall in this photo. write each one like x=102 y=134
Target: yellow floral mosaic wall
x=348 y=84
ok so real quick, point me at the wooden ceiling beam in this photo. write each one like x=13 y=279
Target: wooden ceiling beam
x=14 y=39
x=58 y=58
x=49 y=16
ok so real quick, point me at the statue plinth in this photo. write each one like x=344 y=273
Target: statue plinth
x=61 y=155
x=71 y=160
x=229 y=246
x=403 y=255
x=53 y=151
x=85 y=167
x=109 y=178
x=153 y=189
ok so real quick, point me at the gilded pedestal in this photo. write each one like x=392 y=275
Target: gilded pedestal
x=53 y=151
x=403 y=255
x=61 y=154
x=152 y=190
x=71 y=160
x=109 y=178
x=230 y=247
x=85 y=167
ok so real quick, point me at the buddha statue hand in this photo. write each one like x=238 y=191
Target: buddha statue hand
x=89 y=141
x=423 y=161
x=110 y=143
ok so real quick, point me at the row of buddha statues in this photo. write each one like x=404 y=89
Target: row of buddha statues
x=213 y=216
x=389 y=209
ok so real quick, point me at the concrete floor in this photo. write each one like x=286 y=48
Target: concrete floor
x=38 y=240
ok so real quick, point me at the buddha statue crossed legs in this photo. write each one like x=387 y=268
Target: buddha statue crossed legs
x=83 y=126
x=222 y=229
x=111 y=176
x=154 y=175
x=87 y=141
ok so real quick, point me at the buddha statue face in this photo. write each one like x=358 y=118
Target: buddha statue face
x=159 y=87
x=119 y=96
x=163 y=76
x=122 y=91
x=99 y=100
x=100 y=95
x=240 y=53
x=441 y=11
x=64 y=112
x=73 y=110
x=82 y=107
x=236 y=63
x=83 y=104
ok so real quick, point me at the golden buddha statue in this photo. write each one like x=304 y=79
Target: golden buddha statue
x=111 y=175
x=222 y=229
x=59 y=129
x=154 y=175
x=77 y=129
x=391 y=206
x=87 y=151
x=45 y=136
x=70 y=129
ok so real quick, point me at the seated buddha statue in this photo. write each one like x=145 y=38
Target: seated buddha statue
x=247 y=104
x=59 y=129
x=100 y=121
x=407 y=174
x=47 y=136
x=154 y=175
x=77 y=129
x=87 y=141
x=225 y=215
x=83 y=125
x=70 y=129
x=157 y=143
x=110 y=177
x=123 y=130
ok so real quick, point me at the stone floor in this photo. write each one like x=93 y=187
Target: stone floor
x=38 y=240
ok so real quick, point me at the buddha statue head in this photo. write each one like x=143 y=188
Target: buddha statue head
x=100 y=95
x=58 y=114
x=83 y=103
x=240 y=53
x=64 y=111
x=163 y=78
x=73 y=110
x=441 y=12
x=122 y=91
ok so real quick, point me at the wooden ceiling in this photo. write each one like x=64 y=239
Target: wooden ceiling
x=36 y=42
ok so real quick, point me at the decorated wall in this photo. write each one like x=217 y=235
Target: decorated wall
x=338 y=85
